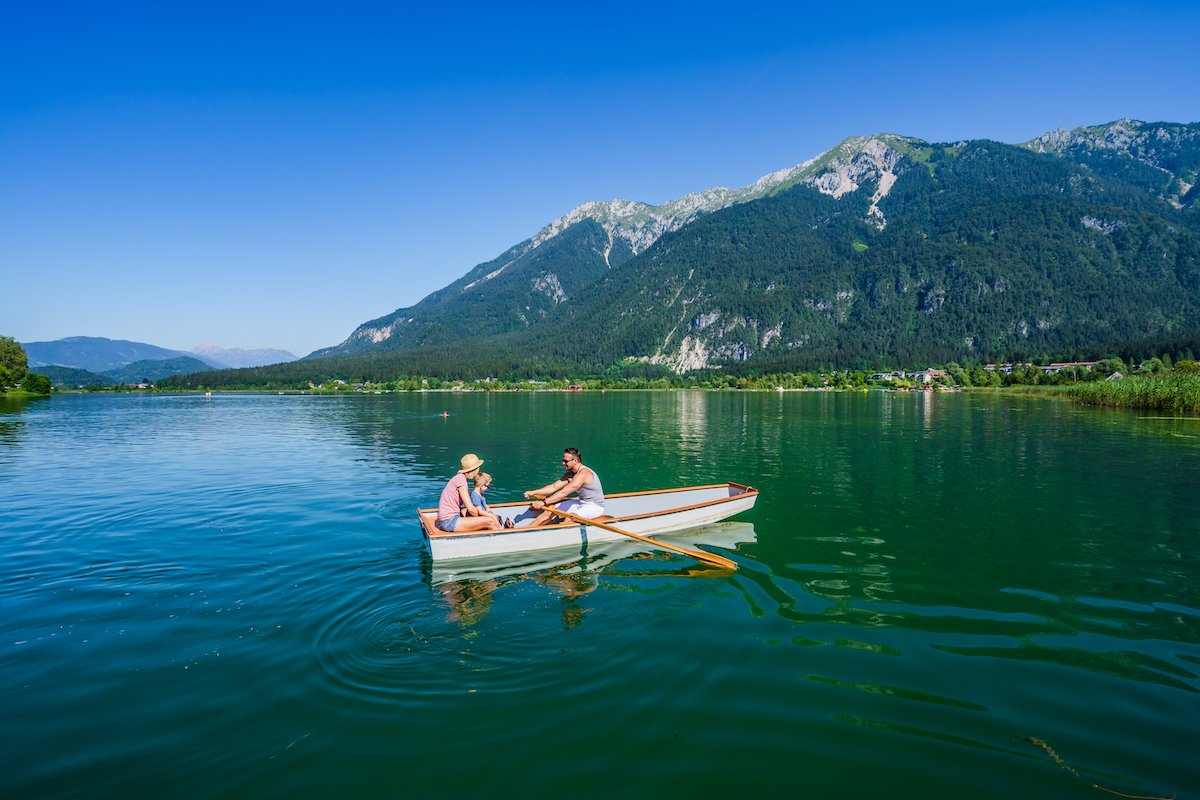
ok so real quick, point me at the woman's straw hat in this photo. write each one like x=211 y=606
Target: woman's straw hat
x=470 y=463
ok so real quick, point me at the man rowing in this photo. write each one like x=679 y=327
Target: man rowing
x=577 y=478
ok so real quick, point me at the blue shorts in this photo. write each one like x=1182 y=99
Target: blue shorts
x=447 y=525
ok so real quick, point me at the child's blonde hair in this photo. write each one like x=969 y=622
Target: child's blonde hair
x=483 y=479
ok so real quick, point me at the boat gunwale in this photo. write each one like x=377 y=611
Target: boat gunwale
x=435 y=533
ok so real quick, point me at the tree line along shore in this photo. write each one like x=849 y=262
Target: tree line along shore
x=1154 y=383
x=16 y=378
x=1151 y=385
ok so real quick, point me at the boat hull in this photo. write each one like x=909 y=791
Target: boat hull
x=644 y=513
x=727 y=535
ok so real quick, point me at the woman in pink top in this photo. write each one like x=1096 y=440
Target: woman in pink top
x=456 y=496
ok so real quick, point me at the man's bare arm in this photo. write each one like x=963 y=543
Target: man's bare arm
x=577 y=481
x=546 y=491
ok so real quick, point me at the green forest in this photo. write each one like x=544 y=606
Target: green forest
x=15 y=375
x=980 y=247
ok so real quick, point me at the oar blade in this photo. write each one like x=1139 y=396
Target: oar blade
x=699 y=555
x=712 y=558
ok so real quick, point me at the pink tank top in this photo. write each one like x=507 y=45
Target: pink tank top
x=451 y=502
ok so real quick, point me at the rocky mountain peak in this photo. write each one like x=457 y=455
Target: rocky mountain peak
x=858 y=159
x=837 y=171
x=640 y=224
x=1171 y=148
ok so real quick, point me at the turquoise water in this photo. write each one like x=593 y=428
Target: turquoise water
x=230 y=597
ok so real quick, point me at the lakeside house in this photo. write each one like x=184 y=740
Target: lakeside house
x=1056 y=366
x=1007 y=368
x=921 y=376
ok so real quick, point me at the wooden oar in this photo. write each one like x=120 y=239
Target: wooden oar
x=699 y=555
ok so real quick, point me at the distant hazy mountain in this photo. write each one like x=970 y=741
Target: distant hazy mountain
x=109 y=357
x=150 y=370
x=97 y=354
x=237 y=357
x=72 y=377
x=155 y=369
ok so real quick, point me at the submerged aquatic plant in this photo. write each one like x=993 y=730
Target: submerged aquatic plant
x=1050 y=750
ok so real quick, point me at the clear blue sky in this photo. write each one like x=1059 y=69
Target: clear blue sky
x=272 y=175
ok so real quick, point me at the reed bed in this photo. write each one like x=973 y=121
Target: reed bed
x=1169 y=391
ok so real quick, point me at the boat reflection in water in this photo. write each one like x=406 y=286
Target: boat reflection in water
x=469 y=584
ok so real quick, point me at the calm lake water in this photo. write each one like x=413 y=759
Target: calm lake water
x=231 y=597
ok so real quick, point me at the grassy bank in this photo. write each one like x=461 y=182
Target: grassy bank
x=23 y=393
x=1023 y=388
x=1168 y=391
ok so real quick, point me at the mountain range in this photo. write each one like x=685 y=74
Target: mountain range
x=112 y=358
x=883 y=249
x=148 y=370
x=527 y=282
x=237 y=357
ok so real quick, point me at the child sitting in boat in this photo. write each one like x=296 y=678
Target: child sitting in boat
x=482 y=482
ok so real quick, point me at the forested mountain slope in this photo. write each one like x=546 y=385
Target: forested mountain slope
x=521 y=289
x=976 y=249
x=1160 y=158
x=884 y=249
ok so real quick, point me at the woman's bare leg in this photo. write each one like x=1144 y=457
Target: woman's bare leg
x=468 y=524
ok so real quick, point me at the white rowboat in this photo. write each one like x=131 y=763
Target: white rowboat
x=644 y=513
x=598 y=556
